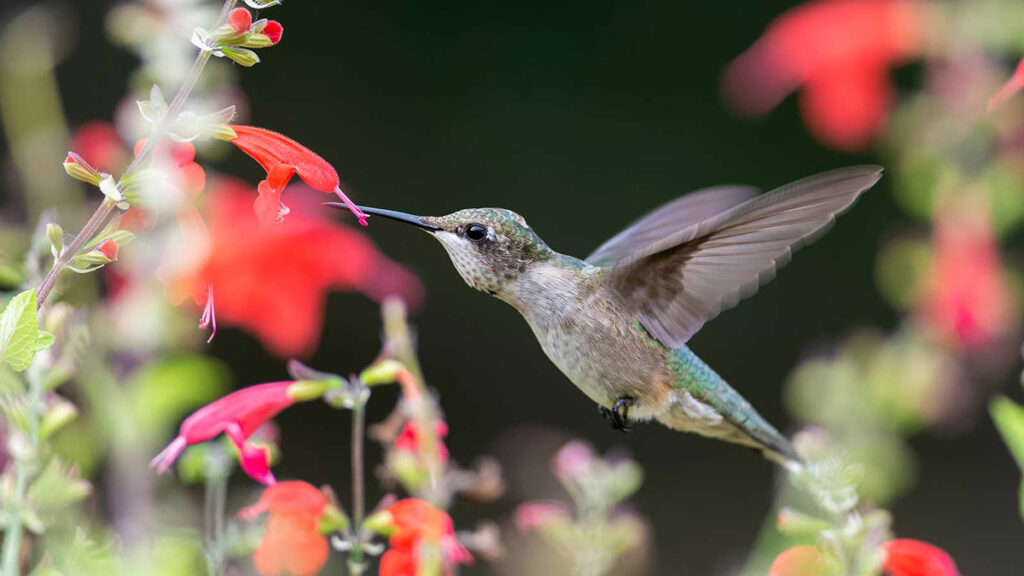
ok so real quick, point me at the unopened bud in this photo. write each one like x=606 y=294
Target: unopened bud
x=258 y=41
x=58 y=416
x=794 y=523
x=305 y=390
x=79 y=169
x=333 y=520
x=382 y=523
x=241 y=56
x=383 y=372
x=55 y=234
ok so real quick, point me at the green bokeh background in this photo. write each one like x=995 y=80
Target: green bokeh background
x=580 y=116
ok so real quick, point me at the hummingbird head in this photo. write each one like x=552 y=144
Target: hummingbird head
x=490 y=247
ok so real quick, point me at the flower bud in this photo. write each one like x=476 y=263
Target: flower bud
x=58 y=416
x=241 y=56
x=79 y=169
x=240 y=20
x=55 y=234
x=382 y=523
x=794 y=523
x=383 y=372
x=333 y=519
x=108 y=248
x=305 y=390
x=257 y=41
x=273 y=30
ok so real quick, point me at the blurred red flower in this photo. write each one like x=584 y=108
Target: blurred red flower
x=273 y=280
x=416 y=522
x=965 y=298
x=182 y=156
x=799 y=561
x=1012 y=86
x=283 y=158
x=100 y=144
x=840 y=52
x=408 y=439
x=293 y=544
x=906 y=557
x=237 y=415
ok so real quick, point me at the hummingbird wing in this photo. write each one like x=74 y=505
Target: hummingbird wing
x=684 y=279
x=669 y=218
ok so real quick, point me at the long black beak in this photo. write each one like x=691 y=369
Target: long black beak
x=393 y=215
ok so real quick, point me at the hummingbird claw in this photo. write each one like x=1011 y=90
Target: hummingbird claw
x=618 y=416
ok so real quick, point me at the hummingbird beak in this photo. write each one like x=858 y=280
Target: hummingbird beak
x=391 y=214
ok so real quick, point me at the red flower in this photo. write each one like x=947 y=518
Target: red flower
x=416 y=523
x=237 y=415
x=240 y=19
x=182 y=156
x=840 y=51
x=273 y=30
x=100 y=144
x=293 y=544
x=109 y=249
x=1012 y=86
x=283 y=158
x=800 y=561
x=905 y=557
x=273 y=280
x=965 y=297
x=408 y=440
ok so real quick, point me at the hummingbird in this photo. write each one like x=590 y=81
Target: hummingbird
x=616 y=323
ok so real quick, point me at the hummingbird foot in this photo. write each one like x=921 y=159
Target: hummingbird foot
x=618 y=416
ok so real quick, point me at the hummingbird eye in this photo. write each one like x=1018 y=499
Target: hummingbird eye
x=476 y=232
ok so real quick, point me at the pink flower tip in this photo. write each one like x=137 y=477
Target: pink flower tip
x=273 y=30
x=162 y=461
x=351 y=206
x=241 y=20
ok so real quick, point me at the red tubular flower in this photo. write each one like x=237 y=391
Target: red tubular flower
x=408 y=440
x=283 y=158
x=799 y=561
x=273 y=280
x=840 y=51
x=906 y=557
x=416 y=522
x=965 y=298
x=237 y=415
x=1012 y=86
x=293 y=543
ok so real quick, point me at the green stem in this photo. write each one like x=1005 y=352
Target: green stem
x=356 y=564
x=25 y=471
x=107 y=207
x=216 y=500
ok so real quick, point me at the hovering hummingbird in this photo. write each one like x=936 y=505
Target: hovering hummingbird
x=616 y=323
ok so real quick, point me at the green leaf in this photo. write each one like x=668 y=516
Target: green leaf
x=1009 y=419
x=20 y=336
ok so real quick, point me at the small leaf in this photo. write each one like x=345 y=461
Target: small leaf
x=20 y=337
x=1009 y=419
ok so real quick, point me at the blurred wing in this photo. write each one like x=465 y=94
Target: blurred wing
x=668 y=219
x=685 y=279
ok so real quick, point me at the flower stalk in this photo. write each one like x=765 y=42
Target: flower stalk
x=26 y=470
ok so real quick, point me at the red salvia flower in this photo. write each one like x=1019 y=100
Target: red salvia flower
x=965 y=297
x=101 y=145
x=906 y=557
x=840 y=52
x=408 y=440
x=236 y=415
x=273 y=30
x=182 y=155
x=416 y=522
x=283 y=158
x=293 y=544
x=273 y=280
x=799 y=561
x=240 y=20
x=1012 y=86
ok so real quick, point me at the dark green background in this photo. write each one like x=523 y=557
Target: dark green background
x=580 y=116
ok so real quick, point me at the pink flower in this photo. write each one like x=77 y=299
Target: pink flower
x=840 y=52
x=237 y=415
x=573 y=461
x=408 y=440
x=965 y=297
x=800 y=561
x=531 y=515
x=1012 y=86
x=906 y=557
x=283 y=158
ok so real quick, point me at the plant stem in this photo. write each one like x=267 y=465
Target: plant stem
x=107 y=207
x=25 y=471
x=216 y=498
x=358 y=488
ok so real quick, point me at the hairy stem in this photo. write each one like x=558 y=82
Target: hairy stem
x=107 y=207
x=356 y=564
x=25 y=471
